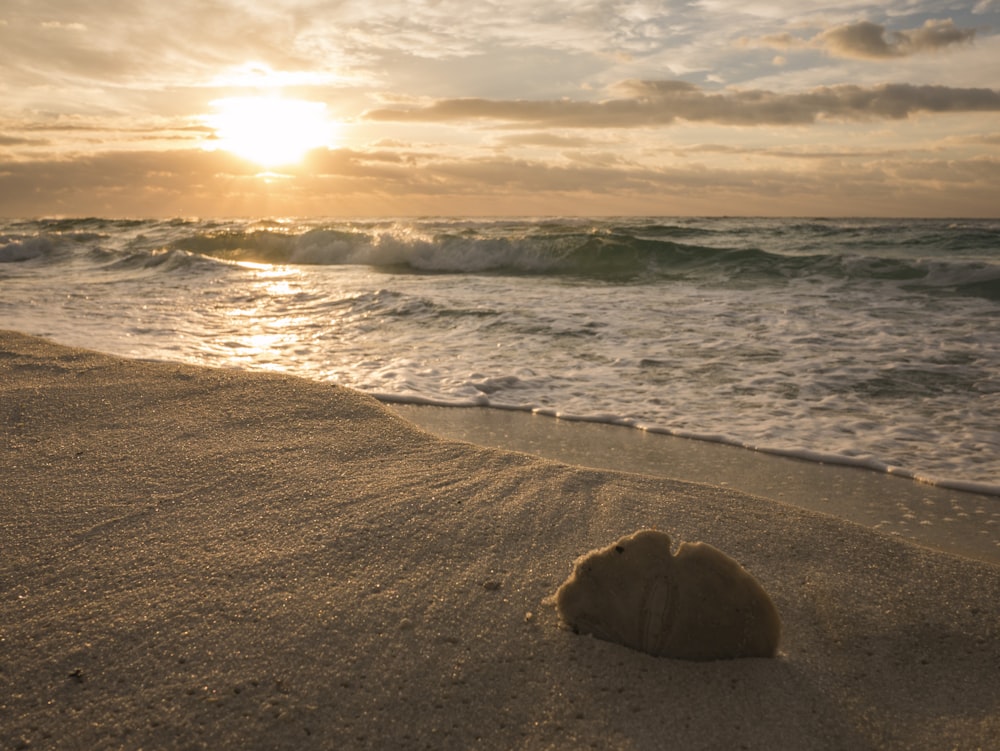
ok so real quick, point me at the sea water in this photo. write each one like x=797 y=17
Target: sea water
x=867 y=342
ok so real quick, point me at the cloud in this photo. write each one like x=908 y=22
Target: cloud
x=348 y=182
x=870 y=41
x=6 y=140
x=63 y=26
x=660 y=103
x=864 y=40
x=794 y=153
x=544 y=139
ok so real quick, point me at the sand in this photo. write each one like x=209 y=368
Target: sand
x=954 y=521
x=196 y=558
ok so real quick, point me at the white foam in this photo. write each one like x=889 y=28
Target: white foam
x=23 y=249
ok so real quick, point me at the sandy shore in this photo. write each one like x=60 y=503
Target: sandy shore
x=967 y=524
x=200 y=558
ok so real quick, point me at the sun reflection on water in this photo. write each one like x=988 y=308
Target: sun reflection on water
x=266 y=333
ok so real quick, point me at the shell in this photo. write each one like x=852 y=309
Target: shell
x=699 y=604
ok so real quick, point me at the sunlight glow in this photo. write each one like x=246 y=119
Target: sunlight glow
x=266 y=335
x=269 y=130
x=255 y=74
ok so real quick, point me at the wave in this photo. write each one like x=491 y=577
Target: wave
x=159 y=260
x=14 y=249
x=49 y=246
x=643 y=252
x=939 y=257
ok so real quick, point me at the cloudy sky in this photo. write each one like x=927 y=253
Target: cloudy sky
x=448 y=107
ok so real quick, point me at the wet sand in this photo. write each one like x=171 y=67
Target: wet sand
x=955 y=521
x=198 y=558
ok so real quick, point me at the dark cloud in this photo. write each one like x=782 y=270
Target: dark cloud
x=20 y=141
x=790 y=153
x=153 y=170
x=657 y=103
x=864 y=40
x=544 y=139
x=872 y=41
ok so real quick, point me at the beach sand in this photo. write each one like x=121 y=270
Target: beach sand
x=954 y=521
x=196 y=558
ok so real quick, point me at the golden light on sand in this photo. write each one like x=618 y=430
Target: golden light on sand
x=271 y=131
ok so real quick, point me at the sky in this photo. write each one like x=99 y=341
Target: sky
x=211 y=108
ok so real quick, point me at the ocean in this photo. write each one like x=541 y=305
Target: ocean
x=873 y=343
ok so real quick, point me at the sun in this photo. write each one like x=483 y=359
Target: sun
x=271 y=131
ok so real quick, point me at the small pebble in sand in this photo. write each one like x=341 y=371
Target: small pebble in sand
x=699 y=604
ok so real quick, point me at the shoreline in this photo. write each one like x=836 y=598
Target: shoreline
x=418 y=405
x=211 y=558
x=950 y=520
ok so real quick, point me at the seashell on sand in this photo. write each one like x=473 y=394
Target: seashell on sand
x=698 y=604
